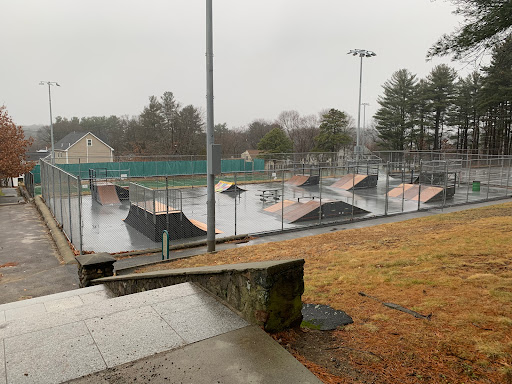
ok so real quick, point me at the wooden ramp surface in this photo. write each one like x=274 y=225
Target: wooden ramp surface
x=398 y=191
x=349 y=181
x=413 y=192
x=106 y=194
x=429 y=193
x=227 y=186
x=298 y=180
x=160 y=209
x=278 y=206
x=301 y=210
x=202 y=225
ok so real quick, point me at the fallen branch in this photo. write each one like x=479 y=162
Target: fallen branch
x=478 y=326
x=399 y=308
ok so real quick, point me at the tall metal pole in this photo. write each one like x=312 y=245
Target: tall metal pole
x=50 y=83
x=210 y=192
x=364 y=123
x=359 y=109
x=361 y=53
x=51 y=122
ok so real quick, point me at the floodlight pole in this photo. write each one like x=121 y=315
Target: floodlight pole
x=361 y=53
x=364 y=121
x=210 y=177
x=50 y=83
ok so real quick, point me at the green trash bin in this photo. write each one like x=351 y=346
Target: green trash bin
x=476 y=186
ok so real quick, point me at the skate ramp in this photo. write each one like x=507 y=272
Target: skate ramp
x=227 y=186
x=356 y=181
x=415 y=192
x=303 y=180
x=295 y=212
x=106 y=194
x=174 y=221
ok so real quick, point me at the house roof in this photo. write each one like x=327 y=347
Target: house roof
x=253 y=151
x=72 y=138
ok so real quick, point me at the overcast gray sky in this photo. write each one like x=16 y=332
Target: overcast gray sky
x=270 y=55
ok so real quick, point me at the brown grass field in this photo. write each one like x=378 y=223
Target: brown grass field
x=457 y=267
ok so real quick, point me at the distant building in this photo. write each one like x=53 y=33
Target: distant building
x=250 y=154
x=84 y=148
x=39 y=154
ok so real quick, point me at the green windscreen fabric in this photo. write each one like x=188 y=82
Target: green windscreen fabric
x=158 y=168
x=37 y=174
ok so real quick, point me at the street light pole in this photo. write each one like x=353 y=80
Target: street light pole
x=50 y=83
x=210 y=177
x=361 y=53
x=364 y=122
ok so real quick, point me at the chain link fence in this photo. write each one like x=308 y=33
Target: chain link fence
x=118 y=213
x=62 y=193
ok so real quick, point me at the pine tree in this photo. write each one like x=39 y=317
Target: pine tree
x=496 y=100
x=333 y=132
x=486 y=25
x=440 y=92
x=395 y=117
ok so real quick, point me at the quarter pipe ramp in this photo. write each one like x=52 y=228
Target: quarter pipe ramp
x=303 y=180
x=175 y=222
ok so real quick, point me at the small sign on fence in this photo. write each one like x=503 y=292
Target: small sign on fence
x=165 y=245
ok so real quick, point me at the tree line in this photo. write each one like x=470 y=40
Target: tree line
x=444 y=111
x=165 y=127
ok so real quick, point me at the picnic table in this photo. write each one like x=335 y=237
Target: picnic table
x=269 y=194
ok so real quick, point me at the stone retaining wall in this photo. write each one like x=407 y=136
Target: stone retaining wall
x=265 y=293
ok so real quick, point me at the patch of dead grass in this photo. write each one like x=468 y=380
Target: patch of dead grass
x=456 y=266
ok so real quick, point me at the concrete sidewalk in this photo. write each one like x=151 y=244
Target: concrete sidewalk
x=10 y=196
x=29 y=264
x=196 y=339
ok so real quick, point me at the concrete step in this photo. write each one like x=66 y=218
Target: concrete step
x=76 y=340
x=62 y=301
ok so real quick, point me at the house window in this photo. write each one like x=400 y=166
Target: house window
x=89 y=142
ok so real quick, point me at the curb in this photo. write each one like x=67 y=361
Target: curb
x=58 y=237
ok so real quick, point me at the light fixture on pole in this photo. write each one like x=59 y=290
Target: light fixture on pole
x=361 y=53
x=364 y=123
x=50 y=83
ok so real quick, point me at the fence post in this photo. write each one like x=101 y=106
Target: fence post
x=53 y=190
x=60 y=195
x=488 y=180
x=469 y=178
x=419 y=185
x=386 y=202
x=80 y=231
x=320 y=197
x=167 y=203
x=508 y=175
x=69 y=207
x=236 y=192
x=403 y=186
x=445 y=183
x=282 y=200
x=153 y=192
x=353 y=193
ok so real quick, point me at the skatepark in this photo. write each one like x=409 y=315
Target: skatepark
x=118 y=212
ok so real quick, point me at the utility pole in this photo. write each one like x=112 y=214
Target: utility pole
x=50 y=83
x=210 y=177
